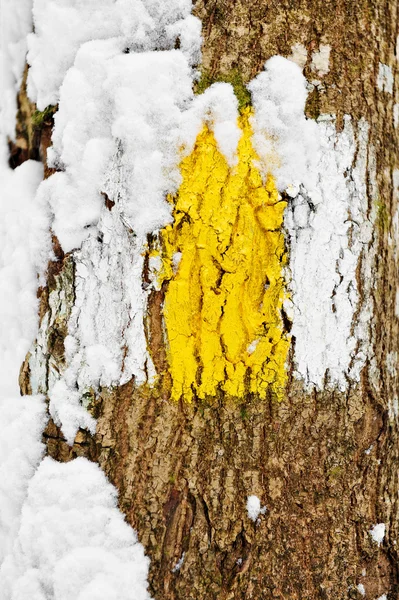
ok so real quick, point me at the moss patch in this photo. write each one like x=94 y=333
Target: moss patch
x=43 y=117
x=235 y=79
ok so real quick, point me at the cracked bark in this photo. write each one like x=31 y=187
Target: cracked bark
x=184 y=471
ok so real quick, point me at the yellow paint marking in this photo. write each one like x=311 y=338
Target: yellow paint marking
x=224 y=256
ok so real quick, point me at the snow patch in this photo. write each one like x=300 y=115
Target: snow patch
x=377 y=533
x=21 y=425
x=141 y=107
x=324 y=173
x=329 y=232
x=24 y=248
x=15 y=24
x=23 y=235
x=63 y=26
x=73 y=541
x=254 y=508
x=285 y=141
x=361 y=589
x=118 y=157
x=393 y=235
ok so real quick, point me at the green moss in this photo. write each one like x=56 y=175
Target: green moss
x=204 y=82
x=40 y=117
x=335 y=472
x=244 y=412
x=235 y=79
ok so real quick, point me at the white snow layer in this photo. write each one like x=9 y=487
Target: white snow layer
x=15 y=24
x=21 y=425
x=124 y=121
x=23 y=252
x=23 y=230
x=61 y=534
x=285 y=141
x=23 y=234
x=140 y=106
x=73 y=542
x=63 y=26
x=324 y=172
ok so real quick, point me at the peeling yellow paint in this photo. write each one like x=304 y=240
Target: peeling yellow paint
x=223 y=257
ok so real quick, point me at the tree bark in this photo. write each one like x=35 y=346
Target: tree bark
x=324 y=463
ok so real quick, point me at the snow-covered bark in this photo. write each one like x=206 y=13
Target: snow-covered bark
x=125 y=278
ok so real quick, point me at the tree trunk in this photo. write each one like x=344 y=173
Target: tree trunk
x=322 y=461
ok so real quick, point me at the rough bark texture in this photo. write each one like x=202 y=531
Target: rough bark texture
x=184 y=471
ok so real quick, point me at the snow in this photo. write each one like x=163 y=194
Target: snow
x=61 y=533
x=67 y=411
x=63 y=26
x=60 y=528
x=393 y=235
x=21 y=425
x=286 y=142
x=361 y=589
x=325 y=174
x=15 y=24
x=73 y=542
x=139 y=117
x=329 y=231
x=23 y=232
x=218 y=108
x=141 y=108
x=377 y=533
x=254 y=508
x=118 y=90
x=24 y=245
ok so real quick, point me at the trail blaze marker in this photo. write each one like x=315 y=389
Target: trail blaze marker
x=224 y=257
